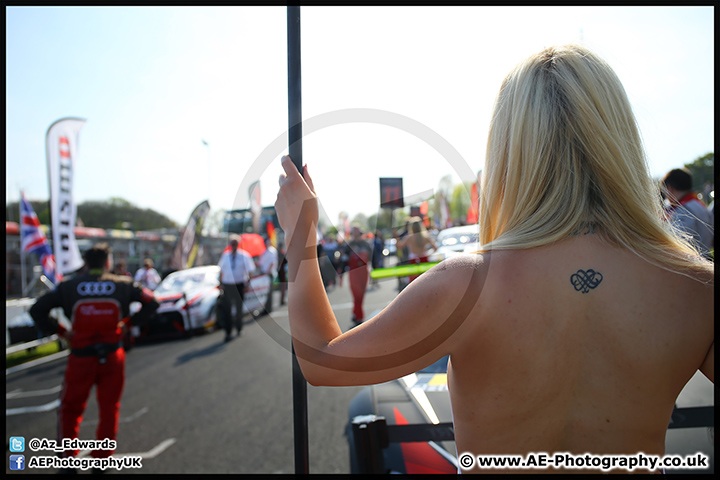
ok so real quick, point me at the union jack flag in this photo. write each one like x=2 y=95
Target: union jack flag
x=34 y=241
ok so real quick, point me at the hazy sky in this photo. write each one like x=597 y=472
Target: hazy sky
x=387 y=92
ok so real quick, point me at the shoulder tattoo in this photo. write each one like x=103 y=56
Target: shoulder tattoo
x=585 y=280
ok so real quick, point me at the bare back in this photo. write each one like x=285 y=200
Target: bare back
x=576 y=347
x=417 y=243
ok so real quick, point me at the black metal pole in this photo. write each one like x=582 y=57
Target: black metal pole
x=300 y=418
x=294 y=87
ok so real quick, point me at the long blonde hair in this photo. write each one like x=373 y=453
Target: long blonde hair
x=564 y=152
x=419 y=234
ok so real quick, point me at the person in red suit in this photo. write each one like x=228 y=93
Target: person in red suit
x=98 y=305
x=359 y=254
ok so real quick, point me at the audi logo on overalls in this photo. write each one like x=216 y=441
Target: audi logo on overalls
x=96 y=288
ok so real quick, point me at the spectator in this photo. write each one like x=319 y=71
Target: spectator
x=378 y=259
x=331 y=249
x=686 y=211
x=147 y=276
x=342 y=259
x=327 y=270
x=282 y=274
x=403 y=254
x=121 y=269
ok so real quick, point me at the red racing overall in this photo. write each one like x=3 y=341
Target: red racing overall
x=359 y=252
x=98 y=306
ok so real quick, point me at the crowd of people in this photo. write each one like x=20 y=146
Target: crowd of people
x=362 y=252
x=357 y=252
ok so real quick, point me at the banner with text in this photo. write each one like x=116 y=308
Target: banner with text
x=255 y=197
x=61 y=143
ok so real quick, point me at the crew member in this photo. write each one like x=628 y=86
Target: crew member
x=236 y=266
x=359 y=254
x=98 y=305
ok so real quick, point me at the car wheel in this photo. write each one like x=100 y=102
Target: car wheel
x=179 y=326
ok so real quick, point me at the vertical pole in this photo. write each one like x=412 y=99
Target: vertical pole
x=300 y=420
x=294 y=87
x=370 y=435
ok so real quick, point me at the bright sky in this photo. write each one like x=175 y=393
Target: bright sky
x=153 y=83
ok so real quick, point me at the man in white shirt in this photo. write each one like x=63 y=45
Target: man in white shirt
x=236 y=266
x=269 y=259
x=147 y=276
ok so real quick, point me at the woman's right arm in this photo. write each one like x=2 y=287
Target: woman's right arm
x=416 y=329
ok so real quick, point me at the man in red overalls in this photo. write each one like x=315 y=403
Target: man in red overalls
x=359 y=254
x=98 y=306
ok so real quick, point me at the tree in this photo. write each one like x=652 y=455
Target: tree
x=382 y=220
x=360 y=220
x=114 y=212
x=41 y=209
x=214 y=222
x=459 y=203
x=111 y=213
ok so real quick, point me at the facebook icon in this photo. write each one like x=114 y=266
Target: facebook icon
x=17 y=462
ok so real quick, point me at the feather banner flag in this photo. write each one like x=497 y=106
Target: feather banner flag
x=62 y=146
x=188 y=242
x=255 y=197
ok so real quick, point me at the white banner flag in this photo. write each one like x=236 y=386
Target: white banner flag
x=62 y=147
x=255 y=197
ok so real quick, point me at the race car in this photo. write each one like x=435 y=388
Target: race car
x=454 y=240
x=418 y=398
x=188 y=301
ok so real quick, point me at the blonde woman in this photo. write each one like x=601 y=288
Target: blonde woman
x=419 y=243
x=582 y=318
x=418 y=240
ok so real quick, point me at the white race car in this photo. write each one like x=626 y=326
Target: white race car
x=188 y=301
x=454 y=240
